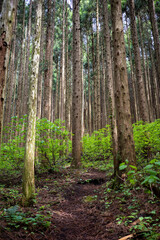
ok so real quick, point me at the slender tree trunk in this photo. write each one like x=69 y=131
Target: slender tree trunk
x=8 y=14
x=51 y=56
x=21 y=69
x=40 y=75
x=26 y=84
x=11 y=82
x=126 y=148
x=103 y=93
x=154 y=87
x=98 y=108
x=144 y=68
x=131 y=82
x=94 y=103
x=62 y=77
x=57 y=93
x=156 y=40
x=110 y=81
x=28 y=174
x=48 y=64
x=140 y=82
x=77 y=83
x=89 y=91
x=67 y=103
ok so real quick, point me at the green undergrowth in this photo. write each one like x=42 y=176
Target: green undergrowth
x=97 y=150
x=53 y=145
x=16 y=218
x=135 y=209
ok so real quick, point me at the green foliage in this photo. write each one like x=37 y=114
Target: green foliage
x=12 y=152
x=147 y=140
x=16 y=219
x=98 y=145
x=150 y=172
x=53 y=144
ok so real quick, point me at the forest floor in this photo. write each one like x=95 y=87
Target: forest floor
x=77 y=205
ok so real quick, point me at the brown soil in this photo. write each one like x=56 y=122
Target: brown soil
x=79 y=209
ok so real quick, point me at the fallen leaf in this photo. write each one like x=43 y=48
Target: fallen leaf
x=135 y=222
x=126 y=237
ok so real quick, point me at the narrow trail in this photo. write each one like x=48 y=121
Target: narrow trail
x=81 y=215
x=76 y=206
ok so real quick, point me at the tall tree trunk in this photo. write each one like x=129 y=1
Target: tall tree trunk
x=103 y=92
x=28 y=174
x=11 y=82
x=126 y=148
x=146 y=80
x=140 y=82
x=89 y=91
x=7 y=22
x=98 y=108
x=62 y=77
x=77 y=83
x=156 y=40
x=67 y=103
x=21 y=68
x=48 y=64
x=110 y=81
x=40 y=75
x=51 y=56
x=94 y=102
x=26 y=84
x=131 y=81
x=57 y=93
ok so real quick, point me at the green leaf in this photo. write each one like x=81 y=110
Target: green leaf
x=148 y=166
x=151 y=172
x=131 y=172
x=134 y=167
x=122 y=166
x=157 y=163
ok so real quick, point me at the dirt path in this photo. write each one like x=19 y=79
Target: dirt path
x=74 y=203
x=78 y=217
x=79 y=208
x=81 y=215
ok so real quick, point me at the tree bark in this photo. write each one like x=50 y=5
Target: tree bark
x=126 y=148
x=21 y=68
x=40 y=75
x=77 y=84
x=62 y=76
x=11 y=83
x=7 y=22
x=26 y=84
x=98 y=108
x=103 y=92
x=28 y=174
x=143 y=106
x=110 y=83
x=67 y=103
x=89 y=91
x=48 y=64
x=156 y=40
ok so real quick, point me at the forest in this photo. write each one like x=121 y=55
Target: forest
x=80 y=119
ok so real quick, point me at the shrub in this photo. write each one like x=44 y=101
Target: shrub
x=98 y=145
x=147 y=140
x=53 y=144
